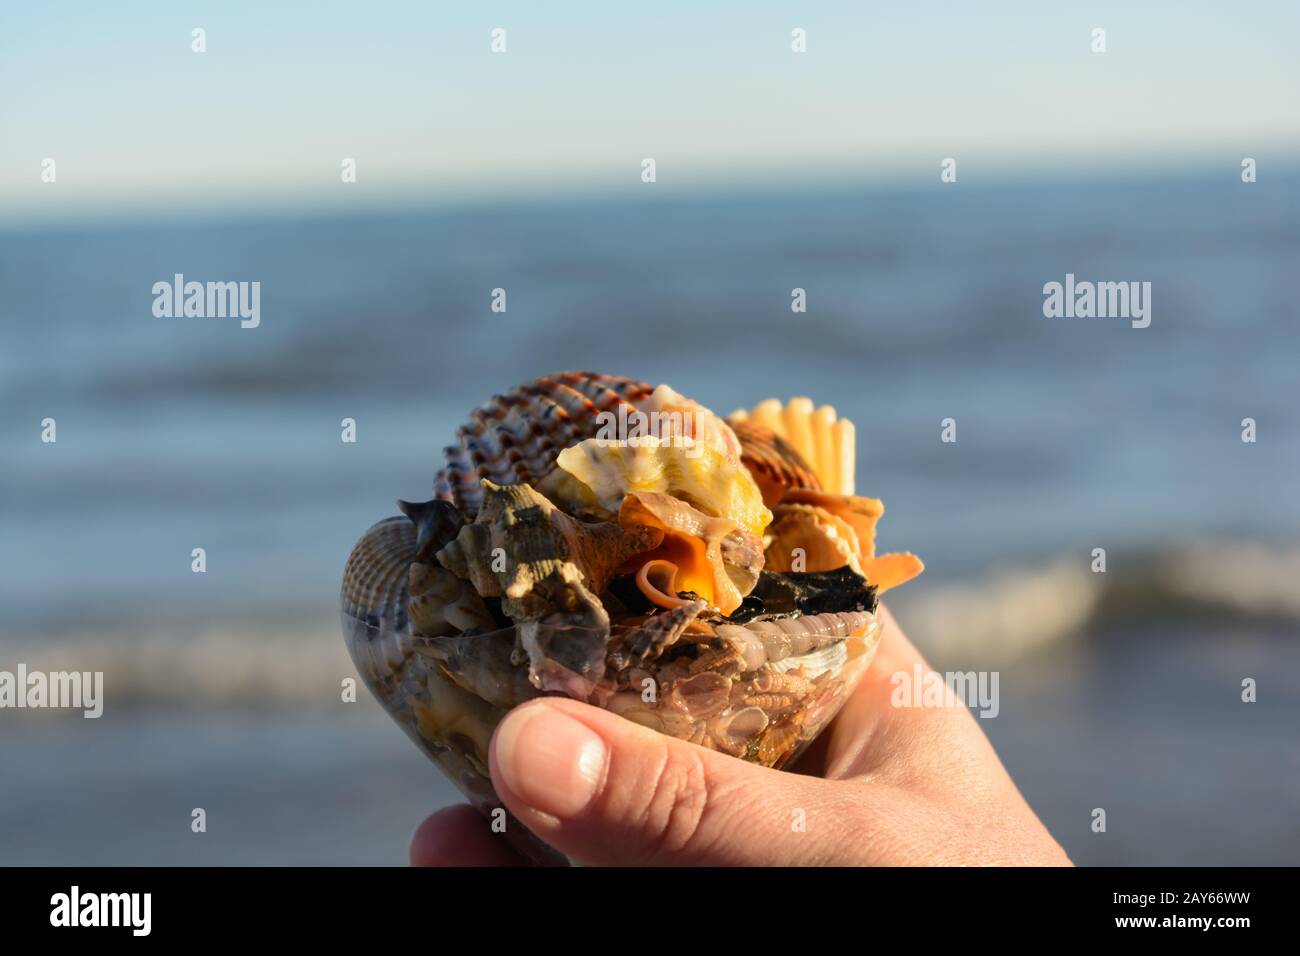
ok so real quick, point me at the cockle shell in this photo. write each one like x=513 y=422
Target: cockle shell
x=817 y=436
x=781 y=445
x=773 y=462
x=516 y=437
x=374 y=598
x=559 y=495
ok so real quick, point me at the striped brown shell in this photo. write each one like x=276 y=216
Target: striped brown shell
x=772 y=461
x=374 y=598
x=516 y=436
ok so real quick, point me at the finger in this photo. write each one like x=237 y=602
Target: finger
x=460 y=836
x=889 y=732
x=604 y=790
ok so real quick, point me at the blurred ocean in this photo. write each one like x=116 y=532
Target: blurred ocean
x=1118 y=690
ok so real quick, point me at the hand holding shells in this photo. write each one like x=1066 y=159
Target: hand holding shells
x=594 y=537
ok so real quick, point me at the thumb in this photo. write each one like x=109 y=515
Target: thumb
x=604 y=790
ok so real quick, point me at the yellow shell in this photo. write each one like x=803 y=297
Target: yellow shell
x=598 y=474
x=671 y=414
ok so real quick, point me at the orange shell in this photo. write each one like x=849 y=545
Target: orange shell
x=692 y=544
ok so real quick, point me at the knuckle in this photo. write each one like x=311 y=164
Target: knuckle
x=682 y=806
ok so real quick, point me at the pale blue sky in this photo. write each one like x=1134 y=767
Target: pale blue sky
x=137 y=123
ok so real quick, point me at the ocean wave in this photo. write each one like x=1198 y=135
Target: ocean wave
x=1018 y=610
x=229 y=664
x=987 y=622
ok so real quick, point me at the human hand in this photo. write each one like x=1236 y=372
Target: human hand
x=882 y=785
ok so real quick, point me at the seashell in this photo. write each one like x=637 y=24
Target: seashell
x=599 y=474
x=734 y=732
x=818 y=437
x=630 y=706
x=699 y=697
x=778 y=744
x=890 y=570
x=450 y=718
x=578 y=497
x=772 y=461
x=780 y=683
x=822 y=708
x=829 y=659
x=881 y=571
x=860 y=513
x=439 y=603
x=436 y=522
x=547 y=568
x=672 y=415
x=689 y=541
x=481 y=664
x=516 y=436
x=657 y=580
x=743 y=559
x=722 y=656
x=795 y=636
x=374 y=597
x=374 y=578
x=746 y=644
x=520 y=540
x=647 y=640
x=810 y=538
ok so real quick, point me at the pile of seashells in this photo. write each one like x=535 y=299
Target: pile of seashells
x=620 y=544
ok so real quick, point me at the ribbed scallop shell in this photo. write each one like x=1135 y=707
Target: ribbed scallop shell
x=374 y=598
x=772 y=461
x=823 y=442
x=515 y=437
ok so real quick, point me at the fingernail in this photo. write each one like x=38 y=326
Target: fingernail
x=552 y=762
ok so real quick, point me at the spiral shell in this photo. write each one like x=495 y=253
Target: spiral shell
x=690 y=540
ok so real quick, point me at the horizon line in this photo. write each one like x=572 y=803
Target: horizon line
x=310 y=205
